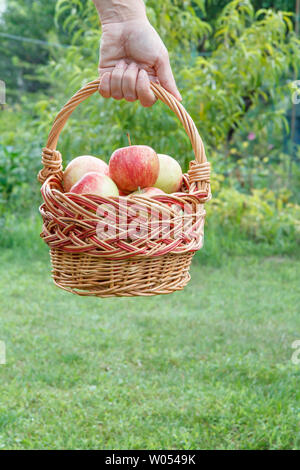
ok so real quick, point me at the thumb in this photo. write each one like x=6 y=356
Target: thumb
x=166 y=77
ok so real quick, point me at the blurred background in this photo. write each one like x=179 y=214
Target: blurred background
x=236 y=64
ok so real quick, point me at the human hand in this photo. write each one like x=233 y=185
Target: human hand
x=132 y=54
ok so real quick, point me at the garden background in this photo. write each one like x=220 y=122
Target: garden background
x=209 y=367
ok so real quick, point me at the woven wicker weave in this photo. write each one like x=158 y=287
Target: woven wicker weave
x=120 y=263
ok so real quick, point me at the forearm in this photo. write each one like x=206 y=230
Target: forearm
x=118 y=11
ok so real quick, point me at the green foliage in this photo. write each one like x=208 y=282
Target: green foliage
x=20 y=60
x=214 y=7
x=239 y=97
x=247 y=75
x=261 y=216
x=249 y=70
x=18 y=186
x=20 y=157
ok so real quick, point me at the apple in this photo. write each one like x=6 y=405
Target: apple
x=133 y=167
x=95 y=183
x=170 y=174
x=78 y=167
x=148 y=192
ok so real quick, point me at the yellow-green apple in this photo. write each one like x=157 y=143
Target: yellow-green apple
x=133 y=167
x=95 y=183
x=170 y=174
x=148 y=192
x=78 y=167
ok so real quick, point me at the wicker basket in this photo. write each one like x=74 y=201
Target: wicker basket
x=116 y=263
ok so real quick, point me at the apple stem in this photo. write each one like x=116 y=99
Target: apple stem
x=129 y=140
x=139 y=189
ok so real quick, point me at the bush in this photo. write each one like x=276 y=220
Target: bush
x=261 y=216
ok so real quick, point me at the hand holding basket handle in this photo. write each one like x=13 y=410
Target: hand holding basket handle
x=131 y=53
x=115 y=266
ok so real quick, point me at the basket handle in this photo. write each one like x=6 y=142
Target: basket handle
x=199 y=169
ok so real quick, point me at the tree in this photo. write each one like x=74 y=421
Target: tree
x=214 y=7
x=241 y=88
x=20 y=60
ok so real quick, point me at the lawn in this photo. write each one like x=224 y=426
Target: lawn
x=206 y=368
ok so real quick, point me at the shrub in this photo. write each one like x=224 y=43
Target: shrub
x=261 y=216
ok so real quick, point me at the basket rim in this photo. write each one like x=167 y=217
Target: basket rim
x=108 y=226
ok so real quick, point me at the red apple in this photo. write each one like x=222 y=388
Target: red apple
x=133 y=167
x=78 y=167
x=95 y=183
x=148 y=192
x=170 y=174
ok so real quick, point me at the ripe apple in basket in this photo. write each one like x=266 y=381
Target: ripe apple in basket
x=95 y=183
x=78 y=167
x=133 y=167
x=170 y=174
x=148 y=192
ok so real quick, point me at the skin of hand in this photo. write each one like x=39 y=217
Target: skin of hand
x=132 y=54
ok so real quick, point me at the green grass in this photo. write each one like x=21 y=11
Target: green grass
x=208 y=368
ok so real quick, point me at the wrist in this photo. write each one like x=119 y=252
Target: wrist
x=120 y=11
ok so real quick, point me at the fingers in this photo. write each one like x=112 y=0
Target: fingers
x=144 y=92
x=104 y=87
x=165 y=75
x=116 y=80
x=129 y=82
